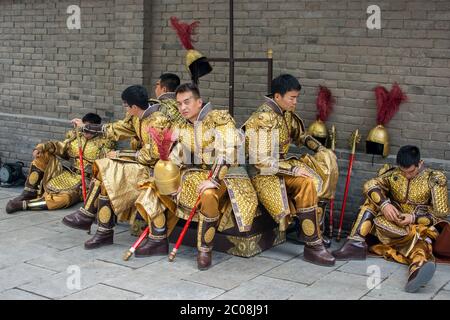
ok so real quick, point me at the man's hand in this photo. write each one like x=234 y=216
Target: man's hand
x=37 y=153
x=205 y=185
x=300 y=172
x=391 y=213
x=77 y=122
x=405 y=219
x=111 y=155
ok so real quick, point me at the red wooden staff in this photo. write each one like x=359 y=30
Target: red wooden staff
x=138 y=242
x=186 y=226
x=333 y=147
x=355 y=138
x=80 y=156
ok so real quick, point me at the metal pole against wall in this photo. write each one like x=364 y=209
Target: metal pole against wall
x=231 y=61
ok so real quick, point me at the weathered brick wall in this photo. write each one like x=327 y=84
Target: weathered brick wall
x=52 y=73
x=49 y=74
x=327 y=43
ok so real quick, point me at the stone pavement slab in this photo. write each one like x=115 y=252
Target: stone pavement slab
x=39 y=254
x=232 y=272
x=263 y=288
x=103 y=292
x=301 y=271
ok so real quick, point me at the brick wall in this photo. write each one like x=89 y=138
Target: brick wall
x=52 y=73
x=49 y=74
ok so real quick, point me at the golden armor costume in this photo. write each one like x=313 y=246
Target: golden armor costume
x=114 y=189
x=273 y=166
x=50 y=185
x=269 y=133
x=207 y=145
x=424 y=197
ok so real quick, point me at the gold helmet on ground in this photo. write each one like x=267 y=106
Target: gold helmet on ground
x=377 y=141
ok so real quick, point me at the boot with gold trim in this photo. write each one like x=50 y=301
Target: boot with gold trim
x=355 y=247
x=314 y=251
x=157 y=243
x=84 y=217
x=205 y=238
x=105 y=219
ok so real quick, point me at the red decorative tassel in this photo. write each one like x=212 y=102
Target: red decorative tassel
x=184 y=31
x=163 y=140
x=324 y=103
x=388 y=103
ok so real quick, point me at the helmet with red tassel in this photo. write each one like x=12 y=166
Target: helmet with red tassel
x=196 y=62
x=166 y=173
x=388 y=103
x=324 y=104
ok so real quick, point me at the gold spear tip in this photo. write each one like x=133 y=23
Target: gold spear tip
x=127 y=255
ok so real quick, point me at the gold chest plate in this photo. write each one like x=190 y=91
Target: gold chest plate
x=409 y=193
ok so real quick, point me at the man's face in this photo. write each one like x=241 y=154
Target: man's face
x=86 y=134
x=412 y=171
x=131 y=110
x=159 y=90
x=188 y=106
x=288 y=101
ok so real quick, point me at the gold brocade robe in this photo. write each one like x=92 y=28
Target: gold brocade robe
x=269 y=132
x=425 y=197
x=58 y=178
x=121 y=176
x=211 y=144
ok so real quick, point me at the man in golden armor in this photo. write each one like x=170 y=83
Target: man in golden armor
x=289 y=187
x=50 y=185
x=114 y=189
x=207 y=143
x=403 y=209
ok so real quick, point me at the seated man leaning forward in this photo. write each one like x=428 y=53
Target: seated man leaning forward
x=50 y=185
x=114 y=187
x=404 y=210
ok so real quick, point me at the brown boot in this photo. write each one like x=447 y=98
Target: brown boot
x=355 y=248
x=105 y=219
x=84 y=217
x=32 y=183
x=321 y=215
x=420 y=275
x=152 y=248
x=157 y=243
x=35 y=204
x=319 y=255
x=206 y=231
x=351 y=250
x=314 y=250
x=15 y=205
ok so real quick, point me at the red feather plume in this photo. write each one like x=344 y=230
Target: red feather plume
x=184 y=31
x=163 y=140
x=324 y=103
x=388 y=103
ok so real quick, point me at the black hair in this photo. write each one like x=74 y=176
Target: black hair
x=188 y=87
x=92 y=118
x=136 y=95
x=285 y=83
x=170 y=81
x=408 y=156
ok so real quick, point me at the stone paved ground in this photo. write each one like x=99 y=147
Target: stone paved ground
x=39 y=258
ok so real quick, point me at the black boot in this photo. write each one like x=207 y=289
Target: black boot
x=35 y=204
x=157 y=243
x=314 y=250
x=105 y=219
x=206 y=231
x=84 y=217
